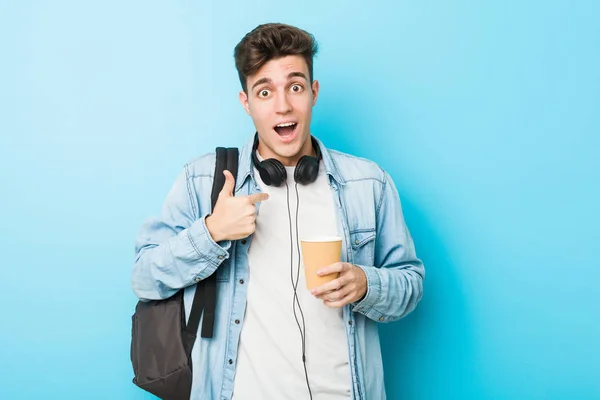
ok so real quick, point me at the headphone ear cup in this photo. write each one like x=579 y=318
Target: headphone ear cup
x=272 y=172
x=307 y=170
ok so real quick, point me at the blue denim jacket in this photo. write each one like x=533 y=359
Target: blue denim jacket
x=176 y=251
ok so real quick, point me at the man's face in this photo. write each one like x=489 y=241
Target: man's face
x=280 y=100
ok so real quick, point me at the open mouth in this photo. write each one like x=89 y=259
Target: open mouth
x=286 y=130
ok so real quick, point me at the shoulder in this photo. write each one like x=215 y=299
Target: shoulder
x=353 y=168
x=202 y=166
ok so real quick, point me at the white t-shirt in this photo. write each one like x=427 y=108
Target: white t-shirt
x=269 y=363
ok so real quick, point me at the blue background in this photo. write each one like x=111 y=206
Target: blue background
x=486 y=114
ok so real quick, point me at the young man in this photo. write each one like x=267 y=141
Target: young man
x=274 y=339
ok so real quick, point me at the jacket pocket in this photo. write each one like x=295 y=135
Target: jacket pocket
x=363 y=246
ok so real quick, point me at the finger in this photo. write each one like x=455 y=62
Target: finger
x=330 y=269
x=251 y=228
x=228 y=186
x=258 y=197
x=337 y=295
x=335 y=284
x=340 y=303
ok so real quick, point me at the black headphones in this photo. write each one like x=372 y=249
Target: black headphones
x=273 y=173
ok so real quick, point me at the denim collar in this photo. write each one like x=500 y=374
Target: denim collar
x=246 y=169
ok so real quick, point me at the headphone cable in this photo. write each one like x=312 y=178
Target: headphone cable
x=295 y=299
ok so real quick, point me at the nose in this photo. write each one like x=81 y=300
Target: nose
x=283 y=105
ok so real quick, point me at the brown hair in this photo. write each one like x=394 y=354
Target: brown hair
x=271 y=41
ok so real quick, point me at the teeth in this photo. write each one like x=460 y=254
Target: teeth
x=286 y=124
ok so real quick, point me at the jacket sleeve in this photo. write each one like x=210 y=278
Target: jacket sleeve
x=175 y=250
x=395 y=283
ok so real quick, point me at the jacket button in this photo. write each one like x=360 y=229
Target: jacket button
x=237 y=321
x=220 y=257
x=230 y=361
x=244 y=241
x=356 y=242
x=381 y=319
x=349 y=322
x=241 y=281
x=197 y=279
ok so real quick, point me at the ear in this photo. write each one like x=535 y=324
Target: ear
x=315 y=91
x=244 y=101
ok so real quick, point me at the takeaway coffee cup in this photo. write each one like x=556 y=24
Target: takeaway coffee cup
x=318 y=252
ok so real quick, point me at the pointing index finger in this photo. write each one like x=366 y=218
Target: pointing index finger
x=258 y=197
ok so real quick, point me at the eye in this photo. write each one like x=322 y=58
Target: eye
x=296 y=88
x=263 y=93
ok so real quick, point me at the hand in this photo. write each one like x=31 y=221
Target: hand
x=233 y=217
x=349 y=287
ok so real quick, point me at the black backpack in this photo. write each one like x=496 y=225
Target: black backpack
x=161 y=341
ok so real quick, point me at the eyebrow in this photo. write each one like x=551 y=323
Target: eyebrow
x=268 y=80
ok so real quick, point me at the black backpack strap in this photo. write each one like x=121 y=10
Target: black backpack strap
x=206 y=290
x=210 y=292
